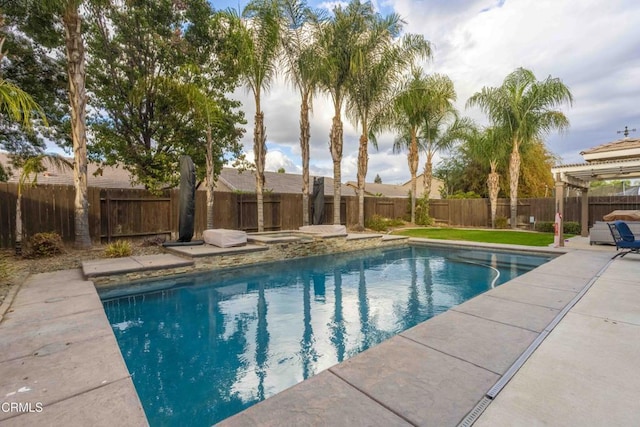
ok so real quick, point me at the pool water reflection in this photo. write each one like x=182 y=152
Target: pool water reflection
x=203 y=348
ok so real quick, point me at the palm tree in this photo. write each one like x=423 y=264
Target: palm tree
x=261 y=42
x=442 y=126
x=437 y=136
x=16 y=103
x=376 y=70
x=488 y=146
x=301 y=70
x=337 y=41
x=524 y=108
x=207 y=110
x=410 y=107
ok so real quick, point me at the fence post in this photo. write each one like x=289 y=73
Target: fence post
x=107 y=198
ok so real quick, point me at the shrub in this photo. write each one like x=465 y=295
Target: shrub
x=380 y=223
x=44 y=245
x=544 y=226
x=569 y=227
x=572 y=227
x=502 y=222
x=422 y=212
x=118 y=249
x=462 y=195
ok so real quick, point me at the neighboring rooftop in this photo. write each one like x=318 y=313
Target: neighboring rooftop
x=621 y=149
x=381 y=190
x=230 y=180
x=104 y=177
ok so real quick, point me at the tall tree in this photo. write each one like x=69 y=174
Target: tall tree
x=68 y=14
x=337 y=41
x=219 y=122
x=487 y=146
x=525 y=109
x=213 y=70
x=137 y=48
x=68 y=11
x=164 y=89
x=300 y=53
x=442 y=126
x=261 y=20
x=376 y=69
x=410 y=107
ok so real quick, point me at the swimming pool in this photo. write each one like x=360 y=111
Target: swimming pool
x=205 y=347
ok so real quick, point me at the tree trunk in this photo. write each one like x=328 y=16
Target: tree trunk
x=413 y=168
x=493 y=184
x=428 y=176
x=210 y=181
x=305 y=135
x=514 y=177
x=335 y=138
x=78 y=101
x=260 y=152
x=363 y=162
x=18 y=245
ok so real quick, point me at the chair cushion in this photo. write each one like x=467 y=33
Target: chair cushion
x=625 y=231
x=224 y=238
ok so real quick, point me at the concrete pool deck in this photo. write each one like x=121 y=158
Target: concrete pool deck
x=57 y=348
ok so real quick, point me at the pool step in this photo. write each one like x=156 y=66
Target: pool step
x=108 y=267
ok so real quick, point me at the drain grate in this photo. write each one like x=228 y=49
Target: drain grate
x=475 y=412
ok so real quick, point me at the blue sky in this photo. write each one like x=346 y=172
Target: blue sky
x=593 y=46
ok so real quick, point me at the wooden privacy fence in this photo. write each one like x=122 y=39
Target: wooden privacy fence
x=130 y=213
x=476 y=212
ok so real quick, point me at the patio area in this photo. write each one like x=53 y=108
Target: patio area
x=57 y=349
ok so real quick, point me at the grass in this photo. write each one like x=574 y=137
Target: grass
x=485 y=236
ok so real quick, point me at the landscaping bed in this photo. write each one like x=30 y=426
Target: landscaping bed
x=14 y=270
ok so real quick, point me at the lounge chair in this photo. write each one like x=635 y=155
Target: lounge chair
x=624 y=238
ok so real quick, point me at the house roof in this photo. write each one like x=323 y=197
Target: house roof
x=614 y=160
x=384 y=190
x=110 y=176
x=231 y=179
x=620 y=149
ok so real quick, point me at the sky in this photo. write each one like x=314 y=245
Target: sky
x=591 y=45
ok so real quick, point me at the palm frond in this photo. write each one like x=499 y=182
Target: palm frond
x=19 y=105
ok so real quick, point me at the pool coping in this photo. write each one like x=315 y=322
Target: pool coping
x=347 y=378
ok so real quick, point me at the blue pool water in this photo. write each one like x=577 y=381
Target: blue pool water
x=205 y=347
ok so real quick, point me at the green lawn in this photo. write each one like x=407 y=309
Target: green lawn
x=486 y=236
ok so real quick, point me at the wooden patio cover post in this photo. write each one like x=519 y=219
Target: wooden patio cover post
x=561 y=184
x=584 y=214
x=560 y=208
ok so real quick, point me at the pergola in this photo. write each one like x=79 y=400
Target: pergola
x=614 y=160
